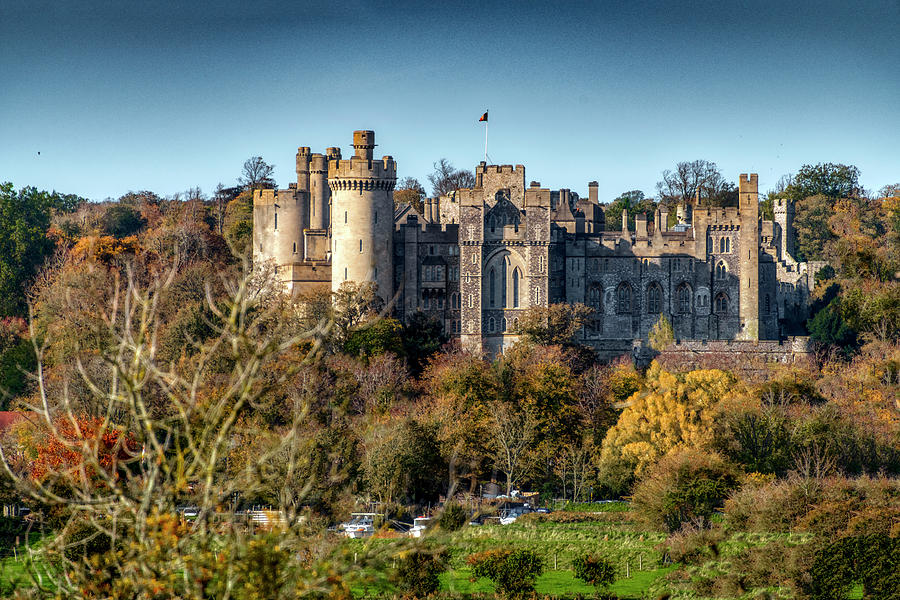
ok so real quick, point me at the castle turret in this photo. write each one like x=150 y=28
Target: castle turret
x=362 y=217
x=748 y=198
x=279 y=217
x=784 y=218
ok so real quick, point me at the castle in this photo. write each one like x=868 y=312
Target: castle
x=477 y=258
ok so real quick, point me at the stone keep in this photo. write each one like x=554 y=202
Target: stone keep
x=362 y=217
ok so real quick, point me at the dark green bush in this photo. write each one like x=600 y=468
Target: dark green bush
x=453 y=517
x=594 y=570
x=829 y=569
x=512 y=571
x=82 y=539
x=686 y=486
x=121 y=220
x=418 y=573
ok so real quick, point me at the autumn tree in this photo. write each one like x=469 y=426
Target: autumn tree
x=409 y=191
x=161 y=435
x=670 y=411
x=557 y=324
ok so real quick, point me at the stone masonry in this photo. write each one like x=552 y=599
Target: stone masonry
x=478 y=258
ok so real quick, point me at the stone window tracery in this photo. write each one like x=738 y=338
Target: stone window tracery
x=721 y=270
x=623 y=298
x=684 y=299
x=722 y=303
x=654 y=299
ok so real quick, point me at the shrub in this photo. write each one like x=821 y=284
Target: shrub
x=694 y=543
x=83 y=540
x=595 y=570
x=512 y=571
x=453 y=517
x=418 y=572
x=684 y=486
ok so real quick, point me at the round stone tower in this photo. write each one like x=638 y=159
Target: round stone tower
x=362 y=217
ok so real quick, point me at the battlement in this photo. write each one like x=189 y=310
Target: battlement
x=361 y=173
x=270 y=197
x=748 y=184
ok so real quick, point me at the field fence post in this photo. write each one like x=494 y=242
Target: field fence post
x=555 y=562
x=627 y=569
x=640 y=562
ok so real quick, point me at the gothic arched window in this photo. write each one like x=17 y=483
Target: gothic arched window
x=721 y=270
x=623 y=298
x=684 y=299
x=491 y=325
x=728 y=244
x=722 y=304
x=516 y=278
x=595 y=298
x=722 y=245
x=654 y=299
x=492 y=285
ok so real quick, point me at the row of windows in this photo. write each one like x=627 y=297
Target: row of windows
x=492 y=324
x=436 y=273
x=624 y=299
x=495 y=221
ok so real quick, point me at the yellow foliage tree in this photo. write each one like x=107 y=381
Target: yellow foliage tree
x=670 y=411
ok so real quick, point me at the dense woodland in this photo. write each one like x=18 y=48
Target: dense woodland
x=159 y=368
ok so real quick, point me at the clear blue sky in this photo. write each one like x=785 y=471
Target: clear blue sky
x=120 y=96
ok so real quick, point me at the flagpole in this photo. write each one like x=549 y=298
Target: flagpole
x=485 y=141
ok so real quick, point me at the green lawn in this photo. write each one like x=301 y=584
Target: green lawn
x=554 y=583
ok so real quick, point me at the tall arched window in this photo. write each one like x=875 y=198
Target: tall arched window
x=721 y=304
x=492 y=285
x=728 y=244
x=517 y=276
x=721 y=270
x=491 y=325
x=684 y=299
x=722 y=245
x=595 y=298
x=623 y=298
x=503 y=324
x=654 y=299
x=493 y=223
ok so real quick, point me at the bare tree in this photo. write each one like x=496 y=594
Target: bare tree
x=513 y=431
x=163 y=434
x=257 y=174
x=680 y=186
x=446 y=178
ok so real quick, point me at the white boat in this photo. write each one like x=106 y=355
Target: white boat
x=360 y=525
x=420 y=524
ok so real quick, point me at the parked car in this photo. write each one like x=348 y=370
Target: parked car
x=360 y=525
x=512 y=514
x=420 y=524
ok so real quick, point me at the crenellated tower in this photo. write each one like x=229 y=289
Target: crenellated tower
x=362 y=216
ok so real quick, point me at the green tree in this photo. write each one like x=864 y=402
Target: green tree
x=121 y=220
x=423 y=336
x=376 y=337
x=826 y=179
x=24 y=245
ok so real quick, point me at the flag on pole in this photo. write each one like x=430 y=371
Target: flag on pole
x=483 y=117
